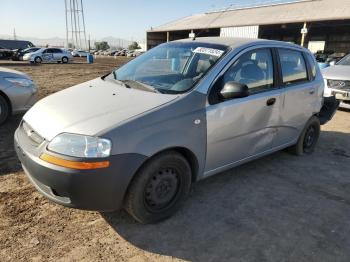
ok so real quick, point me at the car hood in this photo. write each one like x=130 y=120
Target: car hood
x=337 y=72
x=90 y=108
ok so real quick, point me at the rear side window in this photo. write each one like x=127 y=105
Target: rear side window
x=293 y=66
x=56 y=50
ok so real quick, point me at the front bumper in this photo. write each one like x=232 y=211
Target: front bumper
x=343 y=96
x=98 y=189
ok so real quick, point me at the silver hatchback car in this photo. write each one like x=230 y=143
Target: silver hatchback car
x=183 y=111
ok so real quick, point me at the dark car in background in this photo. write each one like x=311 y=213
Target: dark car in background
x=5 y=53
x=15 y=44
x=9 y=47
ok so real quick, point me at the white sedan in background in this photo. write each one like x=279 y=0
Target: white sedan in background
x=48 y=55
x=80 y=53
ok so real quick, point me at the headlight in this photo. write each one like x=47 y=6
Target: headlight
x=338 y=84
x=20 y=82
x=80 y=145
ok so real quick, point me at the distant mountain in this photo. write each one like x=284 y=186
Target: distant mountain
x=58 y=41
x=115 y=42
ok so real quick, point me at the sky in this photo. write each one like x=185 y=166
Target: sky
x=118 y=18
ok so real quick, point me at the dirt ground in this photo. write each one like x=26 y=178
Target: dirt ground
x=279 y=208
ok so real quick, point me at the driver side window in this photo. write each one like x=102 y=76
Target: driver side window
x=254 y=69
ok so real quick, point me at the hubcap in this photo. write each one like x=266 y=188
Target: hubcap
x=309 y=137
x=161 y=189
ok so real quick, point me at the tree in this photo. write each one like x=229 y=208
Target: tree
x=101 y=45
x=134 y=46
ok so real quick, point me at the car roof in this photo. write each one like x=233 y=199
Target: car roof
x=235 y=42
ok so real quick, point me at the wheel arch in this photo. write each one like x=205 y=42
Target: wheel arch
x=7 y=100
x=185 y=152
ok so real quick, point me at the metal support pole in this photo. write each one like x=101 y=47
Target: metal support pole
x=303 y=34
x=74 y=11
x=78 y=20
x=71 y=22
x=65 y=4
x=167 y=36
x=82 y=14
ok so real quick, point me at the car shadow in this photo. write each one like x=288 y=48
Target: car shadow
x=9 y=162
x=281 y=207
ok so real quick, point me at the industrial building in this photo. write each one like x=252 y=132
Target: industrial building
x=320 y=25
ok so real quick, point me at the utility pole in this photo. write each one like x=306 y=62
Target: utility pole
x=89 y=44
x=14 y=34
x=65 y=5
x=75 y=24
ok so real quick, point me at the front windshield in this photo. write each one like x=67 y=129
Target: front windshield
x=171 y=68
x=344 y=61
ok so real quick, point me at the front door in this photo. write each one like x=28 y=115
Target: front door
x=47 y=55
x=240 y=128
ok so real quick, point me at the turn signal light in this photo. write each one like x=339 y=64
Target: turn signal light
x=73 y=164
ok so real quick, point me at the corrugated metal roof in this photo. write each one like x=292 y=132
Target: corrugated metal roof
x=314 y=10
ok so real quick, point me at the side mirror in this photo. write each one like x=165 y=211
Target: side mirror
x=332 y=63
x=234 y=90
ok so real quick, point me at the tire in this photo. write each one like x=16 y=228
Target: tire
x=308 y=138
x=38 y=60
x=64 y=60
x=159 y=188
x=4 y=110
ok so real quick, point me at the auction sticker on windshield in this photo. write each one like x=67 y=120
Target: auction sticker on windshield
x=208 y=51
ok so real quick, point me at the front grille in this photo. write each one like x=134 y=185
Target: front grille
x=339 y=84
x=31 y=134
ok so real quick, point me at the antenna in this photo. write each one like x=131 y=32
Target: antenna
x=75 y=24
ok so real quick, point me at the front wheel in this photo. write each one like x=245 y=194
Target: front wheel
x=38 y=60
x=64 y=60
x=308 y=139
x=159 y=188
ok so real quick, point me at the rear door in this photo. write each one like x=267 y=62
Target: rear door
x=300 y=94
x=240 y=128
x=57 y=54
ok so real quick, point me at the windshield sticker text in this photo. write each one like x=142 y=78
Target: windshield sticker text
x=208 y=51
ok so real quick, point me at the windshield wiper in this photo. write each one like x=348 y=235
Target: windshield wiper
x=139 y=85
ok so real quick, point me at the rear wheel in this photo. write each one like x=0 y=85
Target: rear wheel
x=4 y=109
x=65 y=60
x=38 y=60
x=308 y=139
x=159 y=188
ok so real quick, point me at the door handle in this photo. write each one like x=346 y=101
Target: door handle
x=312 y=91
x=270 y=101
